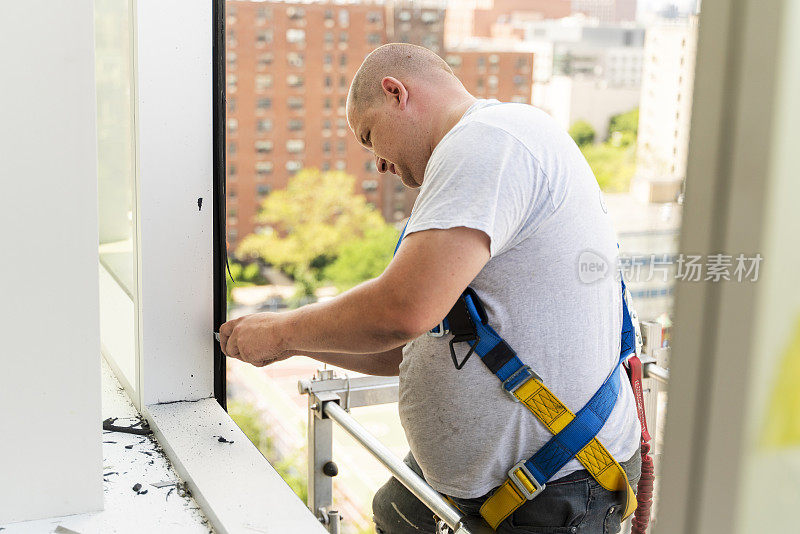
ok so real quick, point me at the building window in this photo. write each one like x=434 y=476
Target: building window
x=494 y=59
x=343 y=60
x=369 y=185
x=230 y=57
x=295 y=59
x=264 y=189
x=327 y=82
x=341 y=123
x=231 y=170
x=294 y=165
x=263 y=167
x=231 y=80
x=231 y=36
x=327 y=103
x=328 y=37
x=295 y=36
x=233 y=125
x=327 y=59
x=295 y=102
x=295 y=125
x=342 y=82
x=405 y=16
x=264 y=147
x=326 y=125
x=341 y=165
x=264 y=103
x=326 y=165
x=263 y=37
x=263 y=81
x=231 y=101
x=343 y=37
x=453 y=60
x=369 y=165
x=493 y=82
x=264 y=60
x=341 y=147
x=328 y=14
x=374 y=39
x=294 y=80
x=429 y=17
x=232 y=149
x=264 y=125
x=295 y=146
x=374 y=17
x=344 y=18
x=326 y=147
x=263 y=12
x=295 y=13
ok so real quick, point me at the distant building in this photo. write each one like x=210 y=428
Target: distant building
x=606 y=11
x=580 y=46
x=289 y=67
x=571 y=99
x=417 y=21
x=467 y=19
x=665 y=110
x=585 y=70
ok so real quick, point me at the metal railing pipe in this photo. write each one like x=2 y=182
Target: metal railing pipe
x=656 y=372
x=398 y=468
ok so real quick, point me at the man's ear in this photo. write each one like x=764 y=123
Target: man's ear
x=395 y=90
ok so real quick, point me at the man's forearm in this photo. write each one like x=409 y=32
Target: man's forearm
x=379 y=364
x=367 y=319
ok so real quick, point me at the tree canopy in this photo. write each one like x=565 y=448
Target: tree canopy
x=319 y=227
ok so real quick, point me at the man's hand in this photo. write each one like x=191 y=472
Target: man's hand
x=256 y=339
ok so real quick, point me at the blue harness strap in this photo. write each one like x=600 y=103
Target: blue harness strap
x=501 y=360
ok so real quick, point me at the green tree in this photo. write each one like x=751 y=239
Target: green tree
x=613 y=167
x=625 y=122
x=308 y=223
x=582 y=133
x=363 y=258
x=247 y=417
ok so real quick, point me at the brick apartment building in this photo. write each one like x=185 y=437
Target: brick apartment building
x=289 y=67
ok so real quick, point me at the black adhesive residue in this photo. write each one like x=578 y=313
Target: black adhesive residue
x=199 y=203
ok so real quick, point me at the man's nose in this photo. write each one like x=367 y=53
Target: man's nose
x=381 y=164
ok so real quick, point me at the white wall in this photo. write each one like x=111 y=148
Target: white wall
x=50 y=443
x=174 y=120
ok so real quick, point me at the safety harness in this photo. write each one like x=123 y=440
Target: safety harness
x=574 y=435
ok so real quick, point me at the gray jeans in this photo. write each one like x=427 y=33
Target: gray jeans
x=574 y=504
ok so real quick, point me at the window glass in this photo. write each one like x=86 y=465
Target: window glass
x=116 y=183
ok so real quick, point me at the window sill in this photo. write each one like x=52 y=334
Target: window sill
x=237 y=488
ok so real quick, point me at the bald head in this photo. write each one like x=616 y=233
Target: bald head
x=398 y=60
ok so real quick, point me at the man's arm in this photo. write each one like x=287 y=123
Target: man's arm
x=380 y=364
x=423 y=281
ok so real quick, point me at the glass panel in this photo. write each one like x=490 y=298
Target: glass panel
x=116 y=172
x=771 y=453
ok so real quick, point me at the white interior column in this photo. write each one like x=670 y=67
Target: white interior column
x=50 y=442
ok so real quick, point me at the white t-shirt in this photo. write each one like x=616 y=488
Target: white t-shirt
x=510 y=171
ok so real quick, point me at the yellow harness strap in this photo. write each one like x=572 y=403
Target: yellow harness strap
x=594 y=457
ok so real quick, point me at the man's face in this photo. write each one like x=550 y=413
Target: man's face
x=383 y=129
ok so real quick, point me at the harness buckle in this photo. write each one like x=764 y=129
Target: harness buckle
x=516 y=384
x=439 y=330
x=528 y=486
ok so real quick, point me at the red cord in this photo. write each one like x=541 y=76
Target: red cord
x=644 y=494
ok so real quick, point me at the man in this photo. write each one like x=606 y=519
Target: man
x=507 y=205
